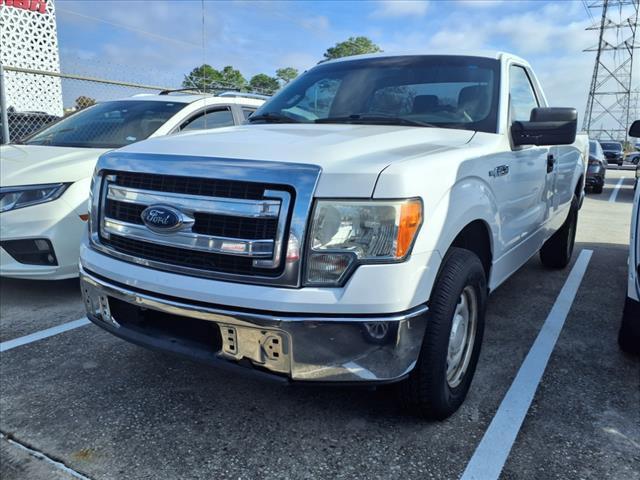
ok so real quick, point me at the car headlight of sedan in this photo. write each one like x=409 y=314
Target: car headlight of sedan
x=12 y=198
x=346 y=233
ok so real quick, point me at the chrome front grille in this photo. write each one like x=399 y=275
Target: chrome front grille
x=245 y=225
x=242 y=236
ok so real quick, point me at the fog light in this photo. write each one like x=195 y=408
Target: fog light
x=328 y=268
x=37 y=251
x=42 y=245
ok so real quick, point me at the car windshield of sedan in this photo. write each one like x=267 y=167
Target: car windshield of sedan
x=108 y=125
x=422 y=91
x=613 y=146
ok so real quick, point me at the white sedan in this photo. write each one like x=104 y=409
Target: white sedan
x=44 y=182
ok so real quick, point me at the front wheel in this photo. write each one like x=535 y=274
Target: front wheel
x=441 y=379
x=557 y=250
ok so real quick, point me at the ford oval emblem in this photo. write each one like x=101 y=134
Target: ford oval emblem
x=162 y=219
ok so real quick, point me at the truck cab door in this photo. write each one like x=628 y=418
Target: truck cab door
x=524 y=183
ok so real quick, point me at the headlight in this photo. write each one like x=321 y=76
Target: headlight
x=347 y=233
x=24 y=196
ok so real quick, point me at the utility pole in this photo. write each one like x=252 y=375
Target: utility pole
x=609 y=108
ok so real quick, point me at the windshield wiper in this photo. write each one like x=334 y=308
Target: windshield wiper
x=376 y=119
x=271 y=117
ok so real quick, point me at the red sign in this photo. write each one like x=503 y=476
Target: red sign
x=38 y=6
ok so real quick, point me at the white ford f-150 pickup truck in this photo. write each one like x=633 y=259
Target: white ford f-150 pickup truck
x=350 y=233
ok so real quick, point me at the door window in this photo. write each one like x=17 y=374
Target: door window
x=522 y=96
x=209 y=119
x=247 y=112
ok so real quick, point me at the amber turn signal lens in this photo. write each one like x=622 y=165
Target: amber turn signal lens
x=410 y=220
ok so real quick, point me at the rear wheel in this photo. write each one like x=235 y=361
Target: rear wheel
x=441 y=379
x=557 y=250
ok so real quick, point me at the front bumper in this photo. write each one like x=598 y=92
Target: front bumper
x=295 y=347
x=55 y=221
x=595 y=177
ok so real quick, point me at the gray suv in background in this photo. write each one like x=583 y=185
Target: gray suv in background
x=613 y=152
x=597 y=168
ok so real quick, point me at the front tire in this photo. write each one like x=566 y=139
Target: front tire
x=557 y=250
x=441 y=379
x=629 y=333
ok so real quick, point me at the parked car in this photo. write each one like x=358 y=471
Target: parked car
x=23 y=124
x=613 y=152
x=629 y=335
x=348 y=240
x=597 y=169
x=633 y=158
x=44 y=181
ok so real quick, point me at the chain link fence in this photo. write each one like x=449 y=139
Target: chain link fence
x=57 y=95
x=44 y=97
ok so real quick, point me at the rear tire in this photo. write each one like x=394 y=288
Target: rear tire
x=598 y=189
x=557 y=250
x=441 y=379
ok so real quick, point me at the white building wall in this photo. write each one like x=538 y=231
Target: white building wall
x=29 y=39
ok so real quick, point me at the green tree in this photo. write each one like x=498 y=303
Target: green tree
x=201 y=77
x=264 y=83
x=285 y=75
x=83 y=102
x=232 y=77
x=352 y=46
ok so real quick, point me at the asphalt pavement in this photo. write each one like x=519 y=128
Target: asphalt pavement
x=84 y=404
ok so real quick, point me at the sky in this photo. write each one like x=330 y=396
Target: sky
x=157 y=42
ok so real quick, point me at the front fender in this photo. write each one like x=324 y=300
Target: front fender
x=467 y=201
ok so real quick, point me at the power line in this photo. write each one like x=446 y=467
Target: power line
x=588 y=10
x=127 y=27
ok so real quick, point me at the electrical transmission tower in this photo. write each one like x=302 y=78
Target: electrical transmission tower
x=609 y=107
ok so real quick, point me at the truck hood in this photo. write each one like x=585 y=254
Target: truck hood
x=36 y=164
x=351 y=156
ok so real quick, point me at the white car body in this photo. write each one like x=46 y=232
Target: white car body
x=453 y=173
x=60 y=221
x=633 y=282
x=629 y=335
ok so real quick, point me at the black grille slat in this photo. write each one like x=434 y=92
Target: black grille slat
x=235 y=227
x=192 y=186
x=125 y=212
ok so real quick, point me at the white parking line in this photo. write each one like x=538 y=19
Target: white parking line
x=616 y=189
x=45 y=458
x=492 y=452
x=49 y=332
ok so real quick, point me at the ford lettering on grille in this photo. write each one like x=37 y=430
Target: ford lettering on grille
x=161 y=218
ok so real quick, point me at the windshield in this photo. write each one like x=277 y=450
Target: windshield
x=611 y=146
x=440 y=91
x=108 y=125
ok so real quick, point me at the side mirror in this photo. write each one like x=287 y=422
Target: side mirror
x=547 y=126
x=634 y=130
